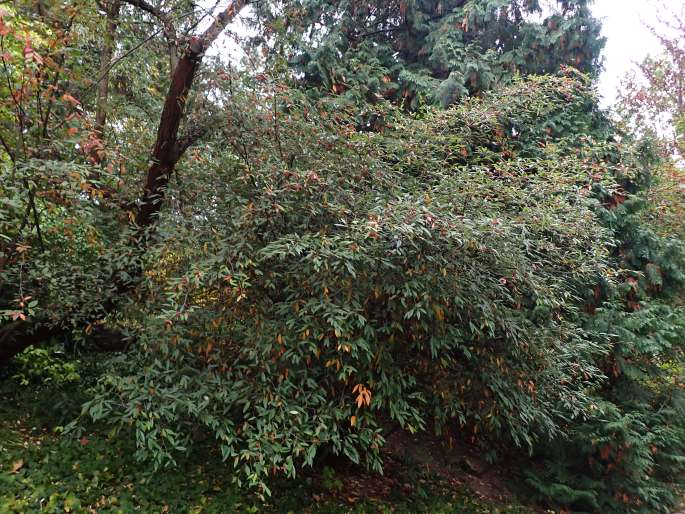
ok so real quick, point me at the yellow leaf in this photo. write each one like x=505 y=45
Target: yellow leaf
x=439 y=313
x=353 y=421
x=363 y=395
x=17 y=466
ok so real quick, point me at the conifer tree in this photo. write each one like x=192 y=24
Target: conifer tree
x=437 y=51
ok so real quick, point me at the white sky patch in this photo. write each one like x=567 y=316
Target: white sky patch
x=227 y=45
x=625 y=24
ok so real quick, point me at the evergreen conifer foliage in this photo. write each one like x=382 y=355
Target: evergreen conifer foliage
x=627 y=454
x=414 y=51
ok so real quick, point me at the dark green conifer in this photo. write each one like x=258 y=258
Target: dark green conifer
x=436 y=51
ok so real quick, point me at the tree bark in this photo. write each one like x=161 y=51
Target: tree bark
x=164 y=153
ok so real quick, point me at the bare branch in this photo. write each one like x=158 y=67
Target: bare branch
x=167 y=26
x=192 y=136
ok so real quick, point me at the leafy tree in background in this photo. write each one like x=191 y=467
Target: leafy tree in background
x=431 y=51
x=53 y=149
x=653 y=98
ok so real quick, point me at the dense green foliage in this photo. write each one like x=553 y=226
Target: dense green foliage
x=505 y=272
x=415 y=52
x=399 y=277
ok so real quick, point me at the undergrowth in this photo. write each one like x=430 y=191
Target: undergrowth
x=43 y=471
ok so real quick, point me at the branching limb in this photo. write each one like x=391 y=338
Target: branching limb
x=165 y=152
x=167 y=26
x=192 y=136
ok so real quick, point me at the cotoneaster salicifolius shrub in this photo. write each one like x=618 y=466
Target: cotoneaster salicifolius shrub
x=430 y=275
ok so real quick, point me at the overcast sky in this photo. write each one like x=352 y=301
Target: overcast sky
x=628 y=39
x=625 y=25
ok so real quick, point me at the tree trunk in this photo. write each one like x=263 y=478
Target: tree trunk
x=105 y=63
x=165 y=154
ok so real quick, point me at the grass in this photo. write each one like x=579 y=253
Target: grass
x=41 y=471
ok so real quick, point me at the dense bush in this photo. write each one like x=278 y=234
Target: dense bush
x=432 y=275
x=59 y=236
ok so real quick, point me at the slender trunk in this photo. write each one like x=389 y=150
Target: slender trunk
x=165 y=153
x=105 y=62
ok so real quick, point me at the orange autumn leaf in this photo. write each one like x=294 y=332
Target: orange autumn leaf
x=363 y=395
x=73 y=101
